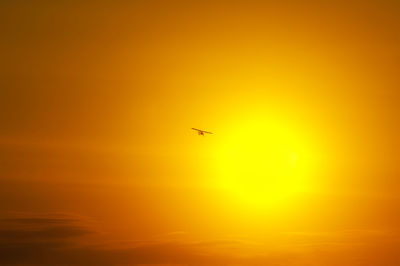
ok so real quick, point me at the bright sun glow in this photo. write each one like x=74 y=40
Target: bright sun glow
x=264 y=163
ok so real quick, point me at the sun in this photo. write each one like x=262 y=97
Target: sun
x=264 y=162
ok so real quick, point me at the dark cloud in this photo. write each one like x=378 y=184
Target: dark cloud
x=56 y=232
x=31 y=238
x=37 y=228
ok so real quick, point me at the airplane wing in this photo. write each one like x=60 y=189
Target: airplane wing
x=199 y=130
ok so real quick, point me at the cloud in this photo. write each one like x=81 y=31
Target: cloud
x=65 y=239
x=54 y=239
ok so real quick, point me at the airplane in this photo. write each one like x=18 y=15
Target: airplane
x=201 y=132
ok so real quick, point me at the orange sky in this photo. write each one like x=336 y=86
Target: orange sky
x=99 y=166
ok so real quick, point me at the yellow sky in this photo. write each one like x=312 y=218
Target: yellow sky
x=98 y=100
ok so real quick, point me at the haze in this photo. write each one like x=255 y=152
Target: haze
x=99 y=164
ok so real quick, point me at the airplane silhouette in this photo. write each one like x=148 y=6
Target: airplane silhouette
x=201 y=132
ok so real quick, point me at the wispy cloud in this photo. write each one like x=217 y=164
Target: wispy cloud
x=54 y=239
x=63 y=239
